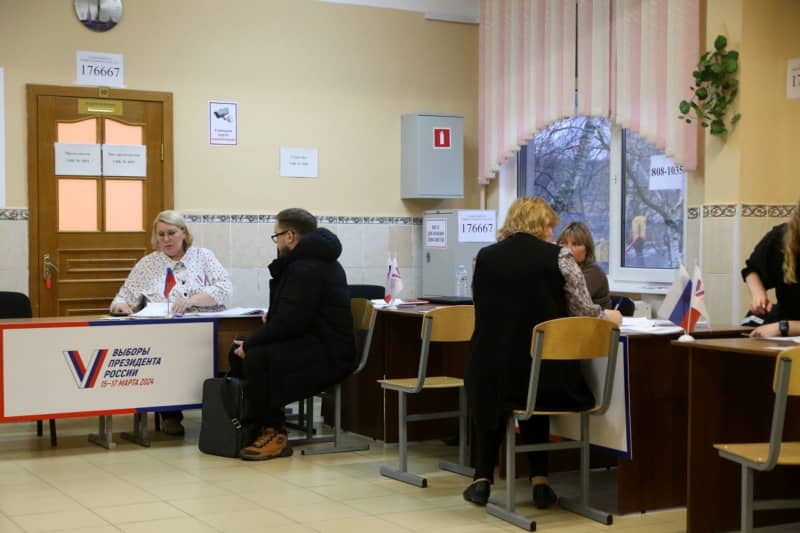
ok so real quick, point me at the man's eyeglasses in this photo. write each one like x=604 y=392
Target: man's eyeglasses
x=275 y=236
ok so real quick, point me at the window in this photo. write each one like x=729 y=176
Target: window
x=629 y=194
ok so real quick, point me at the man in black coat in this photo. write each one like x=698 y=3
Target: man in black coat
x=306 y=343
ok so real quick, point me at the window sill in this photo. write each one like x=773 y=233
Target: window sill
x=633 y=287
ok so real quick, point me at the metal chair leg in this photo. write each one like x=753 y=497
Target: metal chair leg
x=337 y=431
x=402 y=474
x=461 y=467
x=581 y=505
x=747 y=500
x=53 y=435
x=507 y=512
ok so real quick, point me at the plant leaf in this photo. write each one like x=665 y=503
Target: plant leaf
x=684 y=107
x=735 y=118
x=720 y=42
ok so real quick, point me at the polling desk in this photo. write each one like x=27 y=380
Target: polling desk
x=76 y=367
x=653 y=477
x=730 y=400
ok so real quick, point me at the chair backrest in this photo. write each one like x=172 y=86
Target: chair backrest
x=364 y=316
x=370 y=292
x=577 y=337
x=454 y=323
x=573 y=338
x=14 y=305
x=786 y=382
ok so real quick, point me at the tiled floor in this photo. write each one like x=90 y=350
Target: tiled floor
x=172 y=487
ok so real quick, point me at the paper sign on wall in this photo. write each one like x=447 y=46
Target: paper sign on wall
x=299 y=162
x=223 y=122
x=125 y=160
x=98 y=68
x=435 y=233
x=77 y=159
x=665 y=174
x=477 y=226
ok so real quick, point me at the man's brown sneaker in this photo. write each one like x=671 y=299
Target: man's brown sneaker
x=269 y=445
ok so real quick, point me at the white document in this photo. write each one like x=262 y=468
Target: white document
x=233 y=311
x=299 y=162
x=476 y=225
x=645 y=325
x=223 y=118
x=77 y=159
x=125 y=160
x=100 y=69
x=785 y=340
x=435 y=233
x=153 y=310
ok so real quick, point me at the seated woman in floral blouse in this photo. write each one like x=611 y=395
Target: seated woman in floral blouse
x=201 y=282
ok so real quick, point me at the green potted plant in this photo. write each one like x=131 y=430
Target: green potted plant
x=715 y=89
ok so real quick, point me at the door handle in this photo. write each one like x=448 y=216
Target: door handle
x=48 y=267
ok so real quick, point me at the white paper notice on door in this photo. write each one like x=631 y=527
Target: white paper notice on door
x=125 y=160
x=435 y=233
x=77 y=159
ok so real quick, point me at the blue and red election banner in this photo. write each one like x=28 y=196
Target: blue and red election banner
x=60 y=369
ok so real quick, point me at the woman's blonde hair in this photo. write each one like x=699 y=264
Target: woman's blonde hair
x=175 y=219
x=791 y=246
x=578 y=233
x=531 y=215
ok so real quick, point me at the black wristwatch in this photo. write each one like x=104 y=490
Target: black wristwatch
x=783 y=327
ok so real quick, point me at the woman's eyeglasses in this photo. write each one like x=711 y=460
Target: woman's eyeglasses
x=275 y=236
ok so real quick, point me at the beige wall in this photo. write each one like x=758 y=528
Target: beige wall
x=771 y=138
x=304 y=73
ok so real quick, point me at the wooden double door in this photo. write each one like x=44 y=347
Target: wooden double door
x=89 y=219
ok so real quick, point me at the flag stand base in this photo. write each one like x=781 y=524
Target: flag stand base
x=685 y=338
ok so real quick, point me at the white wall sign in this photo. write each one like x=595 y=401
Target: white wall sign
x=80 y=369
x=77 y=159
x=125 y=160
x=477 y=226
x=98 y=68
x=793 y=78
x=2 y=143
x=299 y=162
x=223 y=118
x=665 y=174
x=435 y=233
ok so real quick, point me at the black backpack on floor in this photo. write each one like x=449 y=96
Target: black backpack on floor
x=223 y=430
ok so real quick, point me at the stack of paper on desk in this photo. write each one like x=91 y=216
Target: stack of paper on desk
x=647 y=325
x=159 y=310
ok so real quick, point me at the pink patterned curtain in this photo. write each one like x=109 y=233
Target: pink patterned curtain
x=634 y=61
x=526 y=73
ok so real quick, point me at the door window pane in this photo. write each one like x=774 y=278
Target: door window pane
x=83 y=132
x=123 y=205
x=652 y=206
x=77 y=205
x=119 y=133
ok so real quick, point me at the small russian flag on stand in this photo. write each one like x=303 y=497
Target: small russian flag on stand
x=678 y=300
x=169 y=283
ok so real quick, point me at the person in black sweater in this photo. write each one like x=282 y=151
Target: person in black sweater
x=518 y=282
x=774 y=264
x=306 y=343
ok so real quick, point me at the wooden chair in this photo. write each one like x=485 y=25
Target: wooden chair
x=764 y=456
x=573 y=338
x=18 y=305
x=445 y=324
x=363 y=325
